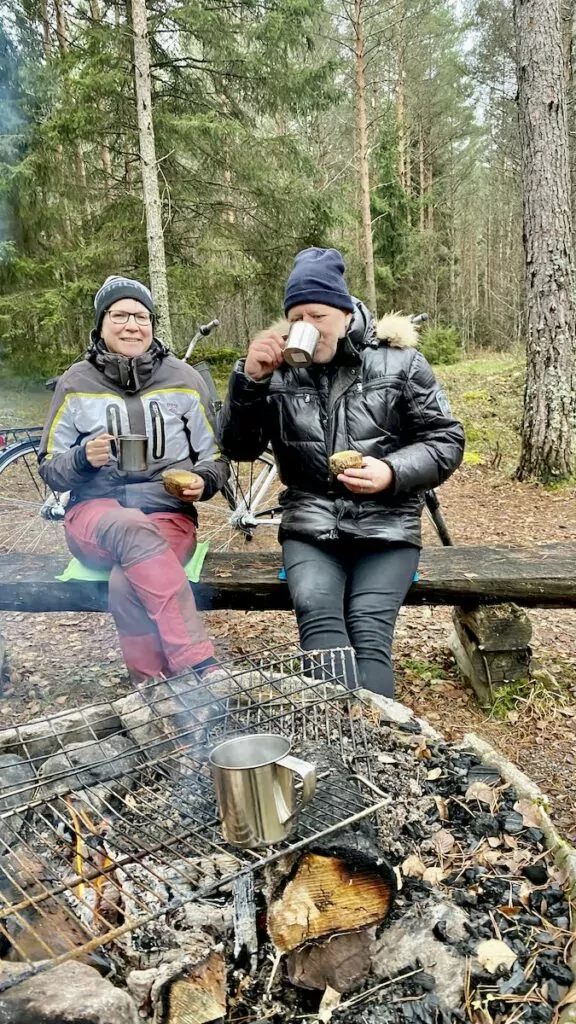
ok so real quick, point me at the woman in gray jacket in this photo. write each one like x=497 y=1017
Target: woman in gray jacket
x=350 y=543
x=129 y=382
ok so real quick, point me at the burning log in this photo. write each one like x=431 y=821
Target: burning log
x=327 y=896
x=38 y=929
x=335 y=893
x=191 y=994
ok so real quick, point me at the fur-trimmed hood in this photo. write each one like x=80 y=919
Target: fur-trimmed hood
x=397 y=331
x=393 y=329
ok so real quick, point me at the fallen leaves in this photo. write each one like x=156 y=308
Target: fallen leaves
x=493 y=953
x=413 y=867
x=443 y=842
x=529 y=812
x=330 y=1002
x=480 y=791
x=442 y=806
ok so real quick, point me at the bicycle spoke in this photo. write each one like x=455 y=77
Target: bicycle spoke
x=24 y=497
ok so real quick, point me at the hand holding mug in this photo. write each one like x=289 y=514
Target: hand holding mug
x=265 y=354
x=98 y=450
x=374 y=476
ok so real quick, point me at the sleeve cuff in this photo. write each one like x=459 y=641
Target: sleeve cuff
x=81 y=464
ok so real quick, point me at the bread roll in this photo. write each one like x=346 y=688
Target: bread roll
x=178 y=480
x=345 y=460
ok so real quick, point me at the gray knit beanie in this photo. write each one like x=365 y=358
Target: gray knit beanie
x=115 y=288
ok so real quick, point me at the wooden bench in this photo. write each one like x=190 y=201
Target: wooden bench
x=539 y=577
x=485 y=585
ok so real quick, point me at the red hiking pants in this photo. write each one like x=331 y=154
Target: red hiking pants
x=149 y=594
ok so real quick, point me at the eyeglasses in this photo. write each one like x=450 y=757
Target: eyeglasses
x=119 y=317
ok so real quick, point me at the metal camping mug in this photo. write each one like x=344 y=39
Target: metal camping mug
x=254 y=781
x=301 y=344
x=132 y=450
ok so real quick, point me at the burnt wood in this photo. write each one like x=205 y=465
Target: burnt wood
x=540 y=577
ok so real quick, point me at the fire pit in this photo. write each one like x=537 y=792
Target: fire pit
x=112 y=860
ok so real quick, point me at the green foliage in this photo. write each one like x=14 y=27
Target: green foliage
x=222 y=358
x=441 y=345
x=231 y=86
x=542 y=694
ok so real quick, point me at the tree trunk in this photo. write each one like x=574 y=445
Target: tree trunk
x=568 y=29
x=44 y=18
x=400 y=107
x=362 y=126
x=422 y=177
x=150 y=188
x=548 y=403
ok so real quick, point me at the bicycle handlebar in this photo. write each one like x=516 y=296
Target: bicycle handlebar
x=203 y=331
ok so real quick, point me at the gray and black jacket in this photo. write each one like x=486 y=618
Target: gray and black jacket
x=378 y=396
x=154 y=394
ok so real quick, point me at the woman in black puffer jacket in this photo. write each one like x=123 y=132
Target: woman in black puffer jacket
x=351 y=544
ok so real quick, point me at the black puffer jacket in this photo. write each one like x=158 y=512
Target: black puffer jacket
x=378 y=396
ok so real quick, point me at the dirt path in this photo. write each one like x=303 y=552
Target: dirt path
x=68 y=659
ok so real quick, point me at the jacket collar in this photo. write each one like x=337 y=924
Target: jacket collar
x=129 y=374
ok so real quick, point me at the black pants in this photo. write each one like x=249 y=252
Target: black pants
x=350 y=597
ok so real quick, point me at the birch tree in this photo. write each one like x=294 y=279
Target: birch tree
x=149 y=168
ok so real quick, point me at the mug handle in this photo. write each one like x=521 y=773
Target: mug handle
x=307 y=773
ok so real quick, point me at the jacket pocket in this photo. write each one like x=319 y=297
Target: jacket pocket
x=158 y=431
x=301 y=419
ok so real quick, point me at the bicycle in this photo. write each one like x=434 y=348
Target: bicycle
x=31 y=514
x=230 y=520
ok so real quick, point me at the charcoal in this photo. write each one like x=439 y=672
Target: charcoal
x=541 y=1014
x=536 y=873
x=485 y=824
x=554 y=893
x=529 y=919
x=465 y=899
x=439 y=931
x=483 y=773
x=426 y=981
x=533 y=835
x=513 y=984
x=554 y=994
x=511 y=822
x=411 y=726
x=560 y=972
x=519 y=947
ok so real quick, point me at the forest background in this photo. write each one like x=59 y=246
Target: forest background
x=260 y=148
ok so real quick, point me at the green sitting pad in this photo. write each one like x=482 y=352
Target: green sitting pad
x=76 y=570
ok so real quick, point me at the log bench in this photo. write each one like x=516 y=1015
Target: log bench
x=491 y=643
x=540 y=577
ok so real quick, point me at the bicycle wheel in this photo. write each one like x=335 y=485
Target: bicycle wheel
x=246 y=511
x=31 y=513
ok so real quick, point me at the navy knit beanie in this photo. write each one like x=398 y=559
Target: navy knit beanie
x=115 y=288
x=318 y=276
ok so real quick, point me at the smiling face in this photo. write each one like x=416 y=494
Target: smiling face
x=330 y=322
x=131 y=338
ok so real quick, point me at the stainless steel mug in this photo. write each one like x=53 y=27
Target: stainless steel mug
x=132 y=452
x=254 y=781
x=301 y=344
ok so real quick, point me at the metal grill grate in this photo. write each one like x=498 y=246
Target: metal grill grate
x=116 y=804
